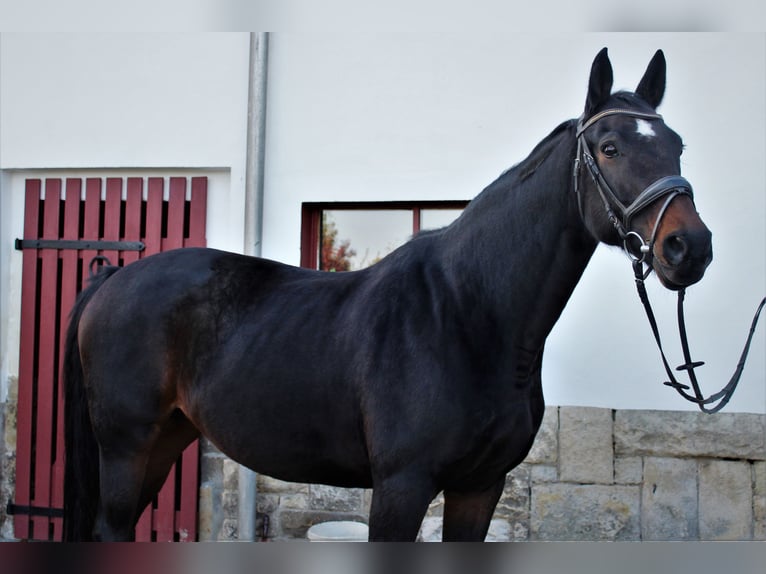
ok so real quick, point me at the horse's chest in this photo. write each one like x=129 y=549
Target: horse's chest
x=495 y=447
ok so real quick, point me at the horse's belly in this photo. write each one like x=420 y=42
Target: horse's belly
x=292 y=439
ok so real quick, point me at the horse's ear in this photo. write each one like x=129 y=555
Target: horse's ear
x=651 y=88
x=600 y=83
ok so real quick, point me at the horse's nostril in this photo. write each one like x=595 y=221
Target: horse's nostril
x=675 y=249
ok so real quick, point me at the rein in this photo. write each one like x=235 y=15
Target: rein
x=698 y=398
x=669 y=187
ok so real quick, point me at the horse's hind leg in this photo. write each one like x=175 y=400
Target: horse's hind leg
x=121 y=476
x=177 y=433
x=131 y=474
x=467 y=514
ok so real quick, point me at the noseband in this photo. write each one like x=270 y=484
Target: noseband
x=669 y=187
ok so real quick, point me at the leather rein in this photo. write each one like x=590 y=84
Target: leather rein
x=621 y=216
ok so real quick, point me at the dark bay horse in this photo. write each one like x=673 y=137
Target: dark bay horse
x=418 y=375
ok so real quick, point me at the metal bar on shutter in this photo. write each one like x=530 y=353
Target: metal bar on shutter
x=78 y=244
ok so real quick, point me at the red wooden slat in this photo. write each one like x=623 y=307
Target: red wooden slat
x=153 y=238
x=48 y=346
x=187 y=516
x=32 y=192
x=92 y=221
x=69 y=285
x=186 y=524
x=144 y=526
x=112 y=207
x=164 y=516
x=197 y=213
x=176 y=214
x=133 y=206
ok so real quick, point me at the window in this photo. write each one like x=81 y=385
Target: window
x=351 y=236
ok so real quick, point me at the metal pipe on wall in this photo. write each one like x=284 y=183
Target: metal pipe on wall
x=254 y=177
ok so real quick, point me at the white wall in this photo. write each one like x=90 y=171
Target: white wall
x=406 y=116
x=117 y=105
x=414 y=116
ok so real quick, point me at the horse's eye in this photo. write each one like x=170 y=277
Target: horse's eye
x=609 y=149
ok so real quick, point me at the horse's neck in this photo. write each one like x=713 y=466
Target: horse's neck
x=519 y=254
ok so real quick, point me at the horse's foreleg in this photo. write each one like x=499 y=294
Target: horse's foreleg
x=399 y=504
x=467 y=514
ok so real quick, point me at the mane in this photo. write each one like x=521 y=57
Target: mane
x=525 y=168
x=492 y=198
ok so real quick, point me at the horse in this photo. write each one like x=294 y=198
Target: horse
x=418 y=375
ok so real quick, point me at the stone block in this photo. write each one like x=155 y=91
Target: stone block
x=230 y=503
x=513 y=506
x=585 y=445
x=499 y=531
x=207 y=448
x=7 y=493
x=669 y=500
x=9 y=426
x=208 y=520
x=294 y=501
x=268 y=484
x=584 y=512
x=267 y=503
x=323 y=497
x=725 y=500
x=690 y=434
x=545 y=448
x=628 y=470
x=544 y=473
x=229 y=530
x=230 y=474
x=366 y=501
x=759 y=501
x=431 y=530
x=211 y=470
x=436 y=508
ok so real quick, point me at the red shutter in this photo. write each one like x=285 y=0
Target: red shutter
x=51 y=277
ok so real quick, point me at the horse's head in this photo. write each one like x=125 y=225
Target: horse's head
x=628 y=181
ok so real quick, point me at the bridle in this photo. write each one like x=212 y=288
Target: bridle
x=621 y=217
x=669 y=187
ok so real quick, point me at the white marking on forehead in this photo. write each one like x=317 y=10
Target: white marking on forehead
x=645 y=128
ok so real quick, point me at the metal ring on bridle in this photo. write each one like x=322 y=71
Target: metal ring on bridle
x=644 y=247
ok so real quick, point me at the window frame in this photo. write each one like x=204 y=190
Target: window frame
x=311 y=219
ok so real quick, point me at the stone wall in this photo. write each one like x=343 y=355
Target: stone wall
x=7 y=458
x=593 y=474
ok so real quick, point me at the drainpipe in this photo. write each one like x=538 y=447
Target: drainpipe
x=254 y=172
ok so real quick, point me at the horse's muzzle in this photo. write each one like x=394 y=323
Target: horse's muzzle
x=683 y=257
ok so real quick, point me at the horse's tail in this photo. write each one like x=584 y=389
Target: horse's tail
x=81 y=465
